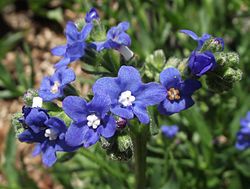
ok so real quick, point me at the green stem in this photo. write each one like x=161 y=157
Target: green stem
x=94 y=158
x=140 y=149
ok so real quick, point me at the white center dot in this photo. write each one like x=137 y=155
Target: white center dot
x=51 y=134
x=126 y=98
x=93 y=121
x=54 y=89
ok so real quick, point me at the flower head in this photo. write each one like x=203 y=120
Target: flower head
x=47 y=132
x=90 y=120
x=201 y=40
x=91 y=15
x=177 y=92
x=129 y=96
x=75 y=47
x=116 y=38
x=52 y=87
x=201 y=63
x=169 y=131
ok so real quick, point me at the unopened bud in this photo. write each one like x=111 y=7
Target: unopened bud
x=121 y=123
x=17 y=124
x=214 y=45
x=28 y=96
x=232 y=75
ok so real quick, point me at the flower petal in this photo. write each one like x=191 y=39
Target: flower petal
x=90 y=138
x=100 y=103
x=189 y=86
x=86 y=31
x=108 y=130
x=170 y=77
x=37 y=150
x=65 y=75
x=59 y=50
x=71 y=32
x=122 y=112
x=75 y=134
x=75 y=108
x=62 y=62
x=141 y=113
x=190 y=34
x=49 y=156
x=56 y=124
x=129 y=78
x=150 y=94
x=108 y=86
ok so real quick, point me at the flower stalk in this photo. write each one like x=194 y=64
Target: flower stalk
x=140 y=153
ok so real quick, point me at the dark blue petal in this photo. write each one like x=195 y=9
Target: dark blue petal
x=75 y=134
x=123 y=39
x=56 y=124
x=37 y=150
x=75 y=108
x=90 y=138
x=150 y=94
x=170 y=77
x=100 y=103
x=35 y=120
x=62 y=62
x=86 y=31
x=71 y=32
x=65 y=75
x=30 y=137
x=124 y=26
x=122 y=112
x=109 y=86
x=141 y=113
x=189 y=86
x=59 y=50
x=91 y=15
x=170 y=107
x=45 y=90
x=129 y=78
x=190 y=34
x=49 y=156
x=76 y=50
x=107 y=130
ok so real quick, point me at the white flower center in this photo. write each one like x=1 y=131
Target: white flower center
x=54 y=88
x=93 y=121
x=126 y=98
x=126 y=52
x=51 y=134
x=37 y=102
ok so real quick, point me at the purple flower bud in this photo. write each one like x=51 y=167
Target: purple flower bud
x=201 y=63
x=91 y=15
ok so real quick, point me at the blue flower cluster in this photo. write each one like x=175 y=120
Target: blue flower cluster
x=243 y=136
x=124 y=97
x=200 y=62
x=47 y=132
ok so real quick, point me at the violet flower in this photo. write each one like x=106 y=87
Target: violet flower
x=177 y=92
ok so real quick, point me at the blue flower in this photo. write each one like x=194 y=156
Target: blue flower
x=129 y=96
x=116 y=38
x=169 y=131
x=75 y=47
x=91 y=15
x=201 y=40
x=201 y=63
x=177 y=92
x=47 y=132
x=52 y=87
x=90 y=120
x=243 y=136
